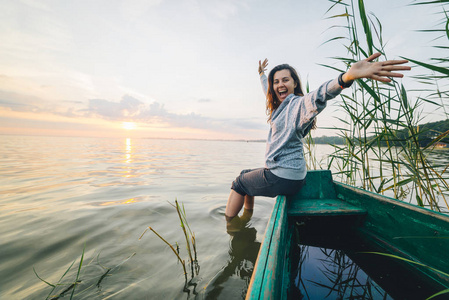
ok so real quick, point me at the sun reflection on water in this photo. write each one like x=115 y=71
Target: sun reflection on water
x=128 y=158
x=127 y=201
x=128 y=150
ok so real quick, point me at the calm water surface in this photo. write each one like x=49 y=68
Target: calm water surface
x=62 y=195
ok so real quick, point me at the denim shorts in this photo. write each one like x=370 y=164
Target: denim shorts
x=261 y=182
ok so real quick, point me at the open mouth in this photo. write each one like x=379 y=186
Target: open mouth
x=283 y=93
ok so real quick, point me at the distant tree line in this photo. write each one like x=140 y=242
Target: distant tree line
x=333 y=140
x=426 y=134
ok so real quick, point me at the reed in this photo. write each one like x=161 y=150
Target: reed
x=71 y=285
x=190 y=239
x=183 y=263
x=377 y=113
x=445 y=291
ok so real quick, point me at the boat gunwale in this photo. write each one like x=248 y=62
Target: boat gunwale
x=387 y=199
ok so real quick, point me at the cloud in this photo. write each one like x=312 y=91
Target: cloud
x=132 y=109
x=128 y=109
x=19 y=102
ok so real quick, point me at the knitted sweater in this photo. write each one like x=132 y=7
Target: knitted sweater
x=289 y=124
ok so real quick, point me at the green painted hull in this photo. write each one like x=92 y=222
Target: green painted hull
x=399 y=228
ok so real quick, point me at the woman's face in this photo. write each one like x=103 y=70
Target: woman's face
x=283 y=84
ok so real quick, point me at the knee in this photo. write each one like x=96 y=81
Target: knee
x=236 y=187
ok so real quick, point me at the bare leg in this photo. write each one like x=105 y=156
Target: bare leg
x=248 y=209
x=235 y=204
x=236 y=201
x=249 y=202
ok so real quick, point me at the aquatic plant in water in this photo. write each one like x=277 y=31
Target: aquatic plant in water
x=190 y=245
x=71 y=285
x=377 y=112
x=446 y=291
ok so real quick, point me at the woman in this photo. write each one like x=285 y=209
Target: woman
x=291 y=116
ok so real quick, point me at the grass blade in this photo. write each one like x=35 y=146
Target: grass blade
x=438 y=294
x=78 y=273
x=366 y=27
x=409 y=261
x=43 y=279
x=430 y=67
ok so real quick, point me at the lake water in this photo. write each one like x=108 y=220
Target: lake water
x=61 y=195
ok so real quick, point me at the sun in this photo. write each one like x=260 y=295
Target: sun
x=128 y=125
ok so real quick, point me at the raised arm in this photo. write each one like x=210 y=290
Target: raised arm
x=263 y=78
x=380 y=70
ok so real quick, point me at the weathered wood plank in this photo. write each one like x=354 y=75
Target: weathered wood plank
x=322 y=207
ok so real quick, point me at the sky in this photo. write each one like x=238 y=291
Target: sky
x=171 y=68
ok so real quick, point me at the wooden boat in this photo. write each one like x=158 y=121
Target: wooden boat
x=392 y=226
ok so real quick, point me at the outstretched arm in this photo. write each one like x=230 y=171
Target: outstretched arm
x=263 y=79
x=380 y=70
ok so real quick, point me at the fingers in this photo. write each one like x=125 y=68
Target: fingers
x=261 y=68
x=385 y=68
x=373 y=57
x=388 y=66
x=384 y=76
x=265 y=63
x=388 y=62
x=395 y=62
x=380 y=78
x=389 y=74
x=396 y=68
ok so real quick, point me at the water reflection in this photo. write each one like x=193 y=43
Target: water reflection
x=329 y=273
x=339 y=264
x=127 y=201
x=128 y=159
x=233 y=279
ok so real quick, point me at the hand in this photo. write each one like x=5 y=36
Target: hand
x=263 y=66
x=379 y=71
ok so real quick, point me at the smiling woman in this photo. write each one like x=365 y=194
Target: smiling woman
x=128 y=125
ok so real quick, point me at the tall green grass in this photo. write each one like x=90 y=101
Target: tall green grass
x=189 y=236
x=69 y=282
x=69 y=287
x=375 y=113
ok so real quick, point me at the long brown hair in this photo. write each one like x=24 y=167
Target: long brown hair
x=272 y=100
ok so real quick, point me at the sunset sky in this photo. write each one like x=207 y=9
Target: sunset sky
x=172 y=69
